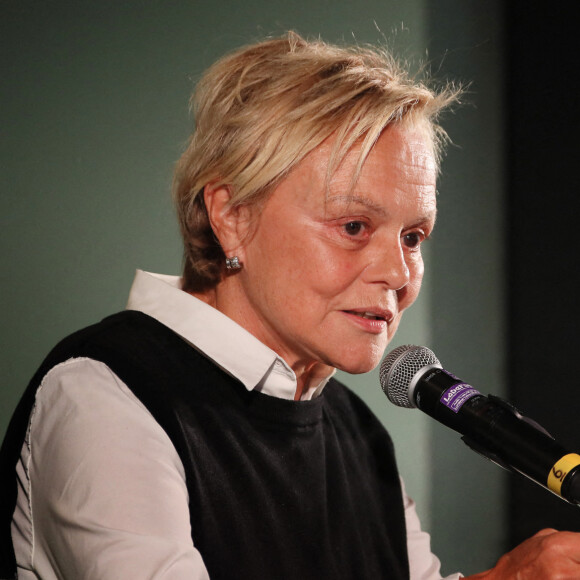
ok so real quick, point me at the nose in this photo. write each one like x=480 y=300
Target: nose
x=389 y=266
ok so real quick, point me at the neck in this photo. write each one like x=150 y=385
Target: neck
x=307 y=373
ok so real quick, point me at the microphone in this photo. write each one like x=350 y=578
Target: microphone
x=412 y=376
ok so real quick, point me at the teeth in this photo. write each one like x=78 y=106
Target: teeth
x=369 y=315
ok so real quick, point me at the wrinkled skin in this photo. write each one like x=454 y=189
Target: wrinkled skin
x=328 y=273
x=548 y=555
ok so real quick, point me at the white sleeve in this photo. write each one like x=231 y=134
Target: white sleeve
x=423 y=564
x=102 y=491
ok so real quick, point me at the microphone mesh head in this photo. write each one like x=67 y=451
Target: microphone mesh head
x=398 y=370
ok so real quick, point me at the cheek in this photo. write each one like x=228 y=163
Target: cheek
x=409 y=293
x=320 y=267
x=318 y=281
x=287 y=270
x=416 y=276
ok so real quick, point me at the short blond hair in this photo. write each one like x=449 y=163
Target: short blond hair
x=260 y=110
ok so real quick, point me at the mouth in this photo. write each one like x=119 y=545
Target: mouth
x=367 y=315
x=374 y=320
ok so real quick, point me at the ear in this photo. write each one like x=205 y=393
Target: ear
x=230 y=224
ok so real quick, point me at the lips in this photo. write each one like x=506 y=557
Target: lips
x=368 y=315
x=372 y=321
x=372 y=314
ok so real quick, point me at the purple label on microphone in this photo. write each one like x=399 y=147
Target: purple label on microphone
x=454 y=397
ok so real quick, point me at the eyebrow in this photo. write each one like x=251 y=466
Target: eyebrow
x=357 y=199
x=374 y=206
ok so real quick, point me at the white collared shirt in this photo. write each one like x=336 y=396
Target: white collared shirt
x=95 y=463
x=221 y=339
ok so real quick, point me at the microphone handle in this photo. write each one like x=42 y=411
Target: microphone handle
x=496 y=429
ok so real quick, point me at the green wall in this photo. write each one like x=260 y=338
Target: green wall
x=468 y=284
x=93 y=117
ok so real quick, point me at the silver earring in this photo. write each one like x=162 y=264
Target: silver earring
x=233 y=263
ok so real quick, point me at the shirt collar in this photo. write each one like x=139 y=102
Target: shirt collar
x=217 y=336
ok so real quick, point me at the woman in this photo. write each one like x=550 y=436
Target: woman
x=201 y=432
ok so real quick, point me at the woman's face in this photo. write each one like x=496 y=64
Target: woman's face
x=327 y=274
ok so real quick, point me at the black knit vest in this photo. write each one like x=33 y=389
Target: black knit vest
x=277 y=489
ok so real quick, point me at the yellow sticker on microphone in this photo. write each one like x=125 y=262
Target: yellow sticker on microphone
x=561 y=469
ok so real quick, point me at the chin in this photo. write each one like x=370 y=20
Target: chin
x=360 y=365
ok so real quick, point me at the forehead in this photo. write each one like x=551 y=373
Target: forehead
x=400 y=168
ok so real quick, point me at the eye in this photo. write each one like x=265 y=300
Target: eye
x=354 y=228
x=413 y=240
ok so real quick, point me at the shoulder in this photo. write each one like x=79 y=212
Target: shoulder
x=82 y=402
x=115 y=330
x=82 y=381
x=85 y=419
x=119 y=330
x=137 y=348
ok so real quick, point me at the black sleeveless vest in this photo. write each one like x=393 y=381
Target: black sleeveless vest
x=277 y=489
